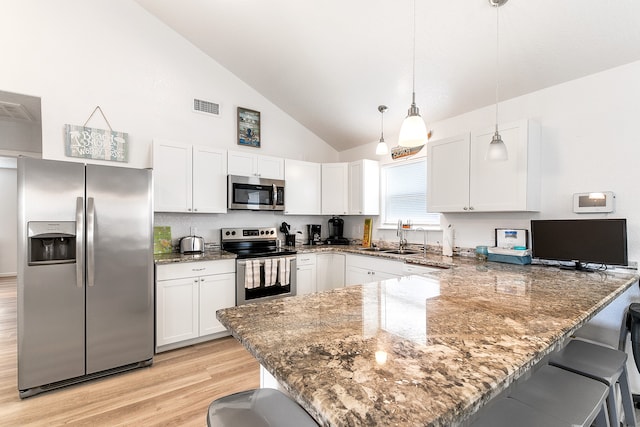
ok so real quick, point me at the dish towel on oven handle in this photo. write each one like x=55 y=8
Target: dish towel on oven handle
x=256 y=273
x=287 y=272
x=268 y=271
x=248 y=275
x=274 y=271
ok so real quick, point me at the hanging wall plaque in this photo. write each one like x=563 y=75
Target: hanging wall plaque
x=97 y=144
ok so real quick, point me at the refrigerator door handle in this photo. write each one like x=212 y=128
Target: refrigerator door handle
x=79 y=242
x=91 y=217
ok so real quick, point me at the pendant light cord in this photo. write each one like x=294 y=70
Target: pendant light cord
x=414 y=53
x=497 y=6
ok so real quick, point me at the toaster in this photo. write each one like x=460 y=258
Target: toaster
x=190 y=244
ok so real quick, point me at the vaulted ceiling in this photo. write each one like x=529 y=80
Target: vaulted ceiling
x=330 y=63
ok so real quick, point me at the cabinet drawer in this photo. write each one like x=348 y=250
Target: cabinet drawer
x=194 y=269
x=375 y=264
x=305 y=259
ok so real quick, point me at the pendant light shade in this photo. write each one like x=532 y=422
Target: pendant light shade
x=497 y=149
x=413 y=132
x=382 y=147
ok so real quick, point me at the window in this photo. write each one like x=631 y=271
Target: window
x=404 y=194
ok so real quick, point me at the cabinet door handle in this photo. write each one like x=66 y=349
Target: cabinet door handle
x=195 y=210
x=199 y=269
x=470 y=208
x=189 y=209
x=465 y=208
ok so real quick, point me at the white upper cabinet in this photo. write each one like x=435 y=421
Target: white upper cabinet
x=448 y=174
x=511 y=185
x=302 y=188
x=461 y=180
x=172 y=180
x=364 y=187
x=335 y=188
x=209 y=180
x=188 y=178
x=248 y=164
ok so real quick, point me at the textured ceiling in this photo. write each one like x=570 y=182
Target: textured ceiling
x=330 y=63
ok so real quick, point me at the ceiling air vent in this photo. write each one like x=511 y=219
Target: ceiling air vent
x=12 y=111
x=206 y=107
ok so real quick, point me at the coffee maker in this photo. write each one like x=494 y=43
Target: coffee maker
x=313 y=233
x=336 y=229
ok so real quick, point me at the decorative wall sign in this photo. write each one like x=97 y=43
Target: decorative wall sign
x=248 y=127
x=97 y=144
x=400 y=152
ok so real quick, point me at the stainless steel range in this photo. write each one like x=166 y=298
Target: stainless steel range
x=264 y=271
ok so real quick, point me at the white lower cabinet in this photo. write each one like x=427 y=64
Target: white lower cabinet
x=365 y=269
x=187 y=297
x=330 y=274
x=306 y=274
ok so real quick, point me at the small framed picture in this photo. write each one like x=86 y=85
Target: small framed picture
x=248 y=127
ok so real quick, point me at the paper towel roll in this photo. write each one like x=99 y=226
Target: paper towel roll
x=447 y=241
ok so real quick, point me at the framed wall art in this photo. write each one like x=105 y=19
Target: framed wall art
x=248 y=127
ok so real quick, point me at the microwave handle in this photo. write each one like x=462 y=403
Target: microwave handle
x=275 y=196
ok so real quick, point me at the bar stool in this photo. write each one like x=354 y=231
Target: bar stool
x=561 y=394
x=263 y=407
x=607 y=365
x=508 y=412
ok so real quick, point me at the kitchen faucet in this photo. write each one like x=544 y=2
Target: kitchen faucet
x=424 y=239
x=401 y=234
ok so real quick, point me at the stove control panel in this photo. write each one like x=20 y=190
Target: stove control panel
x=256 y=233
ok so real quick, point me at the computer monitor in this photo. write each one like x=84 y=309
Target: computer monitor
x=582 y=241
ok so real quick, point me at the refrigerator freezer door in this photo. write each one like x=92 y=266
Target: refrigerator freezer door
x=50 y=297
x=120 y=296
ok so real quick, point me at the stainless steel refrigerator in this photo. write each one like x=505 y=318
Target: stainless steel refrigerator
x=85 y=272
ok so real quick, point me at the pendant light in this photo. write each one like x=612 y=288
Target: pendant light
x=382 y=147
x=497 y=149
x=413 y=132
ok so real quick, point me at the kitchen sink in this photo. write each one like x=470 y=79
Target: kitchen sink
x=401 y=252
x=374 y=249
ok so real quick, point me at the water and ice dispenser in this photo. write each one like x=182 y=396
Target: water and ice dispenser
x=51 y=242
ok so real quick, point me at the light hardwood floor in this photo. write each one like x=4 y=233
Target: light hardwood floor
x=175 y=391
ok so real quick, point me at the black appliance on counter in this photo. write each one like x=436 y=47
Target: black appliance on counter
x=313 y=234
x=336 y=230
x=264 y=271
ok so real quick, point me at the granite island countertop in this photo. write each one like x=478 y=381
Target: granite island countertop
x=419 y=350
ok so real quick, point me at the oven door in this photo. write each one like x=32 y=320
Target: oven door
x=255 y=193
x=263 y=279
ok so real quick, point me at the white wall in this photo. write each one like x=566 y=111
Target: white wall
x=8 y=221
x=78 y=54
x=589 y=143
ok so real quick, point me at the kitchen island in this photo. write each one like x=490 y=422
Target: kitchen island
x=419 y=350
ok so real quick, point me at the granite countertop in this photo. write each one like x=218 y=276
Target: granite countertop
x=174 y=257
x=419 y=350
x=431 y=259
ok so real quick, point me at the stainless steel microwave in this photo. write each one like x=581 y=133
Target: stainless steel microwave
x=255 y=193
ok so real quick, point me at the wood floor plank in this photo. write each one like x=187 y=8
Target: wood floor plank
x=175 y=391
